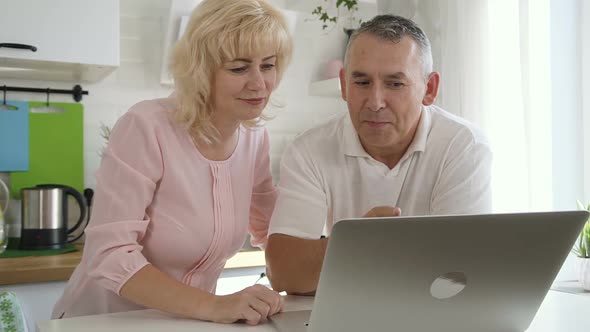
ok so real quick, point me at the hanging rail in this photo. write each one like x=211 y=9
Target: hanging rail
x=76 y=91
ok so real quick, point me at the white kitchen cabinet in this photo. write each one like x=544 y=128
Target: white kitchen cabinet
x=37 y=299
x=75 y=40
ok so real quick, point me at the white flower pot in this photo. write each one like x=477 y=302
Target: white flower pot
x=583 y=266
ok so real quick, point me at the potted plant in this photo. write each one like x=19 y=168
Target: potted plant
x=350 y=7
x=330 y=14
x=582 y=250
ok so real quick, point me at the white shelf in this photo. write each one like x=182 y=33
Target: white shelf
x=178 y=9
x=178 y=16
x=309 y=6
x=326 y=88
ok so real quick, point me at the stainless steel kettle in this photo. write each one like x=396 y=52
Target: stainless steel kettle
x=45 y=216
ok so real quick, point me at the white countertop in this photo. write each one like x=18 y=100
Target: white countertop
x=560 y=312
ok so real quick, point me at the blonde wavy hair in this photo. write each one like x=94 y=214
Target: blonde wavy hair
x=220 y=31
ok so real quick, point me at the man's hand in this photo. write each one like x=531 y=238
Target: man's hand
x=383 y=211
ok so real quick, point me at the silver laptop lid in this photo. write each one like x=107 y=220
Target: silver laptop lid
x=385 y=274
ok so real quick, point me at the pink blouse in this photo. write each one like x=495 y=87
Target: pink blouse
x=159 y=201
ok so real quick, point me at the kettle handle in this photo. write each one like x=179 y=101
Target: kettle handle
x=80 y=200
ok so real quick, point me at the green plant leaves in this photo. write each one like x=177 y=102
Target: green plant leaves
x=349 y=4
x=322 y=13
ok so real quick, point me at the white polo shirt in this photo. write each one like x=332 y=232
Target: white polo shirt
x=326 y=175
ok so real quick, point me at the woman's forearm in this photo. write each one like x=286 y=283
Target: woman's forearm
x=154 y=289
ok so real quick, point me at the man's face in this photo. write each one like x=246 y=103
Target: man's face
x=384 y=86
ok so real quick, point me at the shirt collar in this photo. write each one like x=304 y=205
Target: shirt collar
x=354 y=148
x=421 y=136
x=352 y=143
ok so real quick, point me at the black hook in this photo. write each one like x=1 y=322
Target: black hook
x=77 y=93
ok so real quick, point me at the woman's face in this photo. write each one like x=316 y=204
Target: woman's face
x=242 y=87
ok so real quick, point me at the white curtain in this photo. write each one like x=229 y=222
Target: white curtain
x=585 y=34
x=493 y=56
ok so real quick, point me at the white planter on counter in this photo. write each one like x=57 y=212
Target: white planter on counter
x=583 y=265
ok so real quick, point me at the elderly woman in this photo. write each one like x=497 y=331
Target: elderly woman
x=185 y=178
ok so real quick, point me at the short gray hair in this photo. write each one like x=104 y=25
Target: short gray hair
x=393 y=28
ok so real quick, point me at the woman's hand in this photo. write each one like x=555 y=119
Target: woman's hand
x=253 y=305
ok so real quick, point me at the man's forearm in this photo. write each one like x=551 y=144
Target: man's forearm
x=294 y=264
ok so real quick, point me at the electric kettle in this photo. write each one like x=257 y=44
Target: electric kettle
x=44 y=212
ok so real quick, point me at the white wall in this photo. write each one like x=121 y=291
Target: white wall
x=142 y=32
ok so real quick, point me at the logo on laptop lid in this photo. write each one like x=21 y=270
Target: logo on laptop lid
x=448 y=285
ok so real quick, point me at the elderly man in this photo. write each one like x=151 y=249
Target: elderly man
x=394 y=153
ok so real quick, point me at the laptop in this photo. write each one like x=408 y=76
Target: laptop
x=462 y=273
